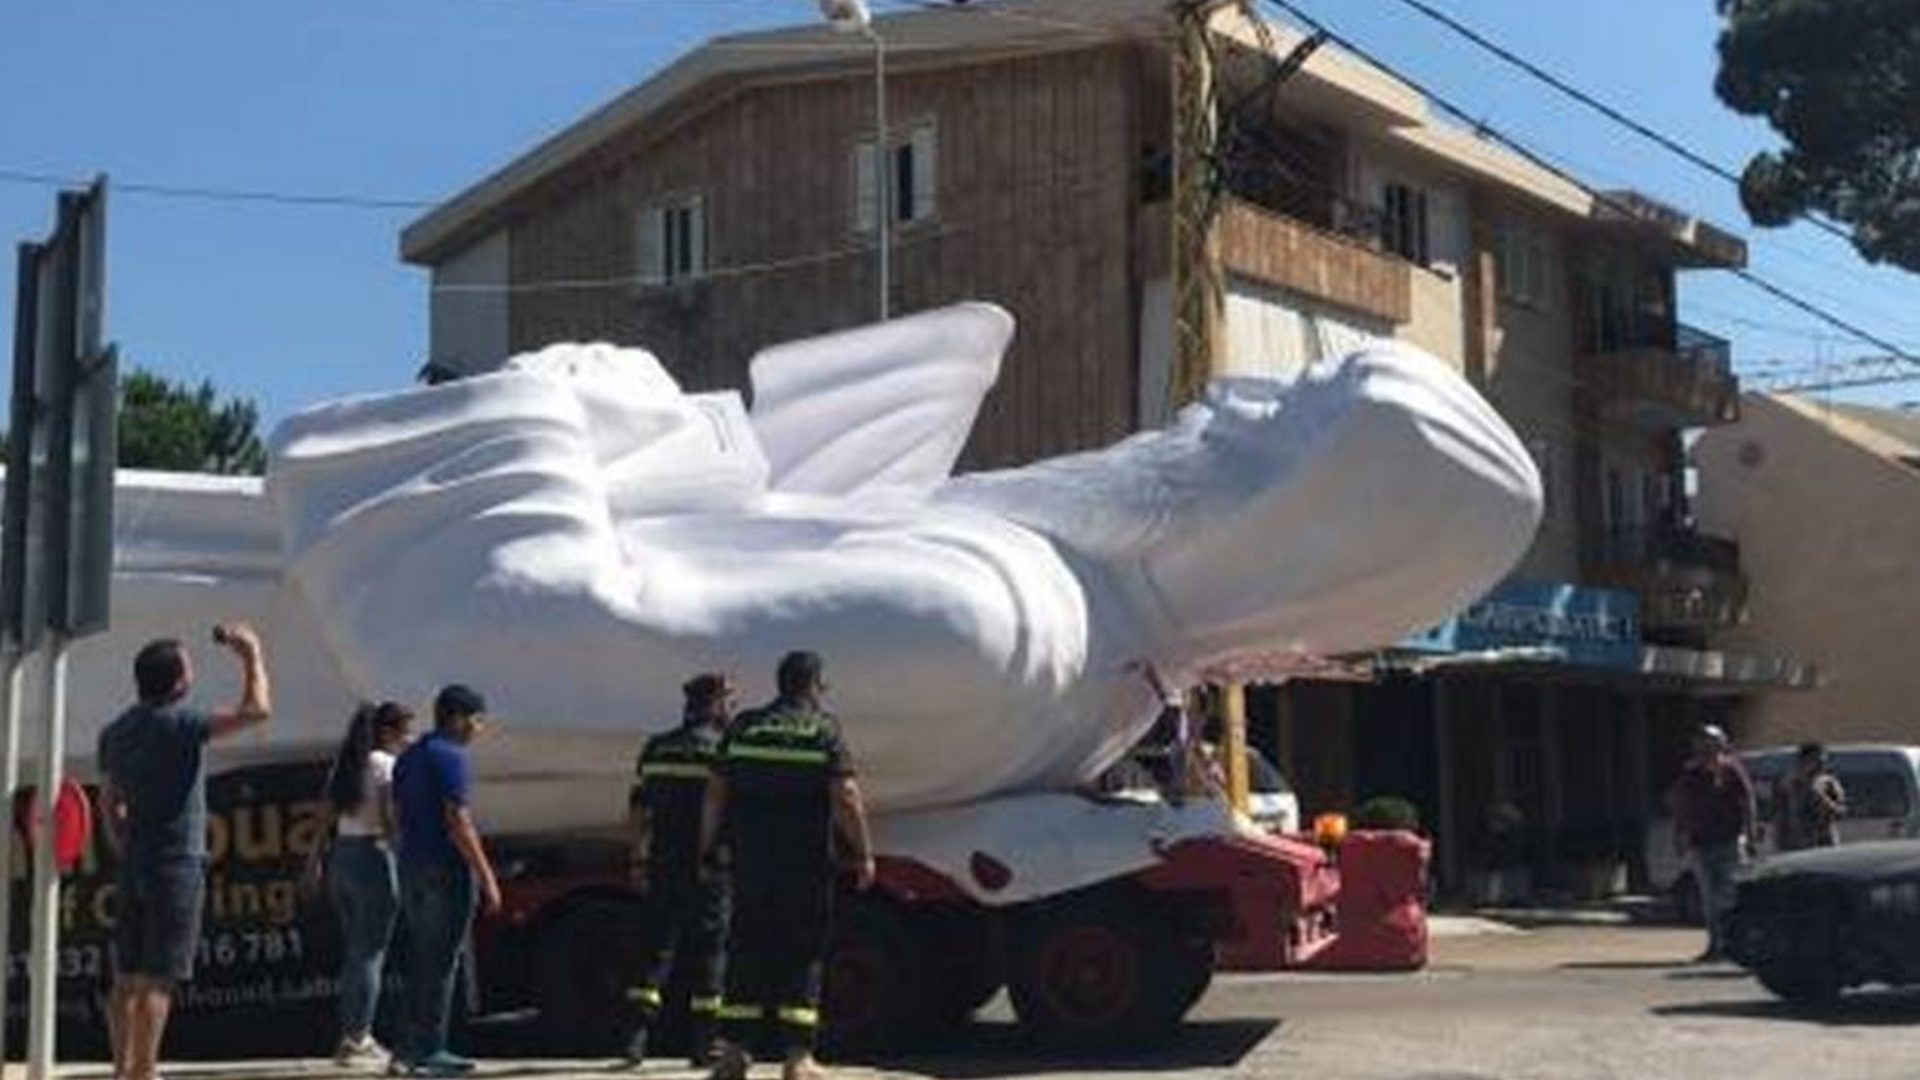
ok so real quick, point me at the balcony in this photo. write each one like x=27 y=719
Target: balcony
x=1686 y=579
x=1683 y=381
x=1274 y=249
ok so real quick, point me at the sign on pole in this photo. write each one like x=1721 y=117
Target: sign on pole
x=56 y=530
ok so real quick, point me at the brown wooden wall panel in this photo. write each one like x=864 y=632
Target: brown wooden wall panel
x=1280 y=251
x=1036 y=164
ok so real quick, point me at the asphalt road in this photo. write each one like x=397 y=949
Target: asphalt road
x=1590 y=1003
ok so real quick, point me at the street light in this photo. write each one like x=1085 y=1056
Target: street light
x=854 y=17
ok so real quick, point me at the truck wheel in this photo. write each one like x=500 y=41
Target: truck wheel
x=956 y=999
x=877 y=992
x=1094 y=971
x=1192 y=973
x=967 y=969
x=586 y=963
x=1800 y=984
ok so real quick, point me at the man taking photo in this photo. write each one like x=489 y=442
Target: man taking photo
x=154 y=800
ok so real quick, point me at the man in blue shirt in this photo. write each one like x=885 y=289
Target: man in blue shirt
x=442 y=865
x=153 y=797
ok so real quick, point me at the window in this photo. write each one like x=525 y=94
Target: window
x=673 y=240
x=1403 y=222
x=1874 y=793
x=912 y=170
x=1521 y=264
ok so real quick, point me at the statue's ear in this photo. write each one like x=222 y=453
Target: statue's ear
x=882 y=406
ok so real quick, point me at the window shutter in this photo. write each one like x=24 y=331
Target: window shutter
x=650 y=243
x=865 y=191
x=1421 y=250
x=926 y=148
x=697 y=236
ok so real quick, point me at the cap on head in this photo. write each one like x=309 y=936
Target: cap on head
x=799 y=673
x=1714 y=734
x=706 y=687
x=457 y=701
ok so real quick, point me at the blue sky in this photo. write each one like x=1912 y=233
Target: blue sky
x=417 y=98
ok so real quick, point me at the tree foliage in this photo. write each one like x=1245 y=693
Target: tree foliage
x=1840 y=81
x=178 y=427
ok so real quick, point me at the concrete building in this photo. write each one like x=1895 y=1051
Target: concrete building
x=727 y=203
x=1826 y=502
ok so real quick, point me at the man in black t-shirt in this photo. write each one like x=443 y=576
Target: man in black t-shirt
x=782 y=786
x=686 y=908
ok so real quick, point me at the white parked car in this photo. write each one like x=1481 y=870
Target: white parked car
x=1882 y=781
x=1273 y=804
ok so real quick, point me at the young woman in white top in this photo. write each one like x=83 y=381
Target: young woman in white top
x=360 y=868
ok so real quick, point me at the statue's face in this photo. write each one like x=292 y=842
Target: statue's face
x=1341 y=513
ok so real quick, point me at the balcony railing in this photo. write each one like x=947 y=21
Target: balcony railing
x=1289 y=253
x=1685 y=578
x=1262 y=245
x=1682 y=378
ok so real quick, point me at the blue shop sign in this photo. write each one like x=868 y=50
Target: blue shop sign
x=1598 y=627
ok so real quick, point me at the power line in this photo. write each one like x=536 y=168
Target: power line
x=1600 y=197
x=1653 y=135
x=220 y=194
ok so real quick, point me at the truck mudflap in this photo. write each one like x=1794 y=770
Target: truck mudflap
x=1274 y=897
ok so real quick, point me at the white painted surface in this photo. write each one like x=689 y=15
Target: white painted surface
x=1277 y=333
x=468 y=313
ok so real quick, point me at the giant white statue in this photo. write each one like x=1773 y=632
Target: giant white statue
x=576 y=535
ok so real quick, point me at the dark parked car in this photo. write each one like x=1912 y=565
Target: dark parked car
x=1814 y=923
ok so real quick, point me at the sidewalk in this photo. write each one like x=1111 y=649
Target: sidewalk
x=1619 y=911
x=320 y=1069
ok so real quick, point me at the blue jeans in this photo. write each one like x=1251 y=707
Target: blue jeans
x=360 y=878
x=1715 y=866
x=436 y=899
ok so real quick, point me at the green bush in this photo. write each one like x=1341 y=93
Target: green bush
x=1387 y=812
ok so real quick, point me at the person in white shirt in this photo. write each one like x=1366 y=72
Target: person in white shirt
x=360 y=869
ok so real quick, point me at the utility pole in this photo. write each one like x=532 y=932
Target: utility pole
x=1199 y=280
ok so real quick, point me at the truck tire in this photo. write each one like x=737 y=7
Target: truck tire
x=1095 y=970
x=877 y=986
x=1800 y=984
x=956 y=999
x=968 y=971
x=1192 y=973
x=587 y=961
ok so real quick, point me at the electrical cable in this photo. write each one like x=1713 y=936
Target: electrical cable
x=1602 y=198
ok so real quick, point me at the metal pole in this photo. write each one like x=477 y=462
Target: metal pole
x=16 y=667
x=1447 y=836
x=883 y=173
x=1233 y=716
x=44 y=962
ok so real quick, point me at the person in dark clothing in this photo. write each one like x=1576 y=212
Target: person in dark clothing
x=154 y=801
x=686 y=909
x=783 y=786
x=1808 y=802
x=443 y=869
x=1713 y=818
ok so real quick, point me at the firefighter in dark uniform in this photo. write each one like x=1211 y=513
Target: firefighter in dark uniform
x=686 y=907
x=782 y=787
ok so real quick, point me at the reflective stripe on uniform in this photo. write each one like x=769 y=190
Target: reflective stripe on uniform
x=705 y=1006
x=740 y=1012
x=777 y=755
x=800 y=1015
x=645 y=995
x=677 y=770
